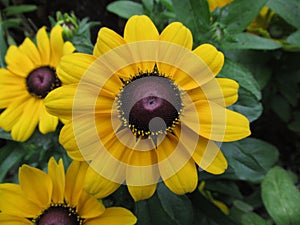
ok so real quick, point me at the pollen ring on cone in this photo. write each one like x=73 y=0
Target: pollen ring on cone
x=140 y=109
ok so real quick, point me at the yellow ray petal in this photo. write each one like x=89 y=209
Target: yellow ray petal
x=177 y=33
x=57 y=174
x=68 y=48
x=213 y=4
x=25 y=127
x=48 y=122
x=18 y=62
x=14 y=220
x=31 y=51
x=114 y=216
x=211 y=56
x=141 y=192
x=106 y=41
x=37 y=185
x=75 y=181
x=139 y=28
x=89 y=206
x=56 y=43
x=43 y=44
x=14 y=202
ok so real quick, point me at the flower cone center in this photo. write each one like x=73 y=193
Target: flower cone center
x=41 y=81
x=59 y=216
x=150 y=104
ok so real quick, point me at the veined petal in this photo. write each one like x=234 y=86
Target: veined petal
x=141 y=192
x=47 y=122
x=31 y=51
x=37 y=185
x=177 y=33
x=14 y=220
x=211 y=56
x=89 y=206
x=56 y=43
x=75 y=181
x=43 y=44
x=57 y=175
x=14 y=202
x=139 y=28
x=72 y=67
x=25 y=127
x=114 y=216
x=106 y=41
x=18 y=62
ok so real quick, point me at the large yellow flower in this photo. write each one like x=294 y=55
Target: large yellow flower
x=56 y=198
x=146 y=107
x=30 y=75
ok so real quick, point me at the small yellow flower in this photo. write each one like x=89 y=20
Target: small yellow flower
x=213 y=4
x=56 y=198
x=146 y=107
x=30 y=75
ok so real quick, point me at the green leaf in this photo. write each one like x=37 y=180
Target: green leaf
x=281 y=107
x=242 y=75
x=225 y=187
x=250 y=41
x=249 y=159
x=239 y=14
x=164 y=207
x=3 y=47
x=195 y=15
x=5 y=135
x=148 y=4
x=288 y=10
x=252 y=219
x=125 y=9
x=248 y=105
x=281 y=197
x=18 y=9
x=295 y=123
x=294 y=38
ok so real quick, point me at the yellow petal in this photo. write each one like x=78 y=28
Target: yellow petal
x=25 y=127
x=14 y=220
x=139 y=28
x=43 y=44
x=72 y=67
x=14 y=202
x=68 y=48
x=114 y=216
x=106 y=41
x=31 y=51
x=98 y=185
x=89 y=206
x=57 y=174
x=18 y=62
x=56 y=43
x=37 y=185
x=222 y=91
x=177 y=33
x=48 y=122
x=211 y=56
x=141 y=192
x=213 y=4
x=74 y=182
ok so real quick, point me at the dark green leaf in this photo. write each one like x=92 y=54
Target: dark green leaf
x=250 y=41
x=125 y=9
x=224 y=187
x=294 y=39
x=17 y=9
x=239 y=14
x=249 y=159
x=3 y=47
x=195 y=15
x=253 y=219
x=5 y=135
x=281 y=107
x=242 y=75
x=295 y=124
x=148 y=4
x=288 y=10
x=281 y=197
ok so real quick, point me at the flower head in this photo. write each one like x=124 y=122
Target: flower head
x=147 y=108
x=56 y=198
x=29 y=77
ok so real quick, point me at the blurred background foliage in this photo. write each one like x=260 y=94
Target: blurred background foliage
x=261 y=43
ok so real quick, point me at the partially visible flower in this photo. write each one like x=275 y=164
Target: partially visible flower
x=56 y=198
x=29 y=77
x=213 y=4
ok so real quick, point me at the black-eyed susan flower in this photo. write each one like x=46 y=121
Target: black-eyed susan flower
x=30 y=75
x=56 y=198
x=146 y=107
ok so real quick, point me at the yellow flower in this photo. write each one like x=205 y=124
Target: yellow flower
x=213 y=4
x=56 y=198
x=146 y=107
x=30 y=75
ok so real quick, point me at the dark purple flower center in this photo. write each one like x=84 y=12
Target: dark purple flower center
x=149 y=104
x=59 y=215
x=41 y=81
